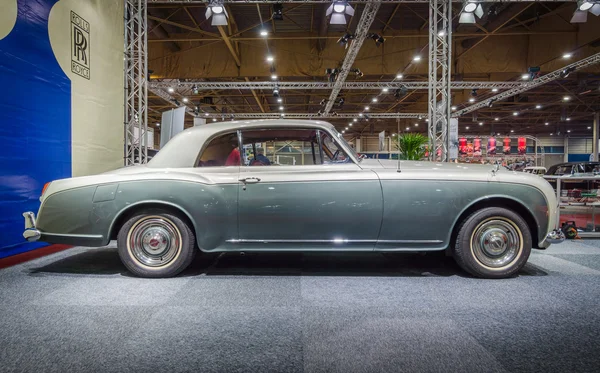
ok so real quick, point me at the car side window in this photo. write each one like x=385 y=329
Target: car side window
x=333 y=152
x=280 y=147
x=222 y=150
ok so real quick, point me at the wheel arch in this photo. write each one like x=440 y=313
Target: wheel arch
x=122 y=216
x=503 y=201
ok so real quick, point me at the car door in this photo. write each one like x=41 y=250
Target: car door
x=304 y=199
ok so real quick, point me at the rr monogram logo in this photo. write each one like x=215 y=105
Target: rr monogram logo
x=80 y=46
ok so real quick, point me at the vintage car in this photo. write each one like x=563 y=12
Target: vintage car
x=292 y=185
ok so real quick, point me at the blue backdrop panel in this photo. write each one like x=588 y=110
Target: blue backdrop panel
x=35 y=121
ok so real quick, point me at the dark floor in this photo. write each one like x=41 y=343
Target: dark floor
x=79 y=310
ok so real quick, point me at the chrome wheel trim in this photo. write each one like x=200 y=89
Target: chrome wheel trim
x=496 y=243
x=154 y=241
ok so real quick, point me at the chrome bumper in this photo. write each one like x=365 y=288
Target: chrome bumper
x=555 y=236
x=31 y=232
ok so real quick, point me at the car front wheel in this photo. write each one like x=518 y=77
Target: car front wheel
x=493 y=242
x=156 y=244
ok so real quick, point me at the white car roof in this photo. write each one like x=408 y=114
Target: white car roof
x=182 y=150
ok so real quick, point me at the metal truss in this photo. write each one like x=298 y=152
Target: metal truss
x=203 y=85
x=329 y=1
x=136 y=90
x=362 y=29
x=440 y=52
x=233 y=116
x=167 y=97
x=557 y=74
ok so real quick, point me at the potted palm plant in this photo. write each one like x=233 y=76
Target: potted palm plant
x=411 y=146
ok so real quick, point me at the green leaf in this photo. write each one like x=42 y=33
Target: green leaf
x=411 y=146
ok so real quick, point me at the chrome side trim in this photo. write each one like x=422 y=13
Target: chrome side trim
x=410 y=241
x=334 y=241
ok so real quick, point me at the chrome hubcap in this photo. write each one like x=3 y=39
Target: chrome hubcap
x=154 y=241
x=496 y=243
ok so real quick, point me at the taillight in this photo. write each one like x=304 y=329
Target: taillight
x=45 y=187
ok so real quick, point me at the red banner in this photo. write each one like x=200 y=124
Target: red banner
x=506 y=146
x=491 y=147
x=462 y=146
x=477 y=147
x=522 y=145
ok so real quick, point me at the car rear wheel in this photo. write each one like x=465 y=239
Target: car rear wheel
x=155 y=243
x=493 y=242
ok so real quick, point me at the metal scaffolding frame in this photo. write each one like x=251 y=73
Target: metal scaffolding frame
x=440 y=52
x=267 y=85
x=136 y=92
x=364 y=118
x=556 y=74
x=362 y=29
x=329 y=1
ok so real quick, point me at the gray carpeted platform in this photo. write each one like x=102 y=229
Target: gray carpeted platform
x=80 y=310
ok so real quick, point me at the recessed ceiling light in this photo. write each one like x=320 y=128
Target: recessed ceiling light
x=546 y=123
x=374 y=99
x=214 y=119
x=515 y=113
x=346 y=129
x=471 y=99
x=264 y=33
x=481 y=123
x=279 y=100
x=417 y=58
x=538 y=106
x=567 y=55
x=512 y=130
x=551 y=134
x=360 y=114
x=525 y=76
x=566 y=98
x=185 y=99
x=453 y=108
x=283 y=114
x=366 y=108
x=356 y=120
x=589 y=128
x=270 y=58
x=568 y=119
x=171 y=89
x=205 y=114
x=496 y=118
x=467 y=127
x=494 y=89
x=399 y=76
x=281 y=108
x=385 y=90
x=273 y=76
x=568 y=130
x=158 y=125
x=407 y=128
x=416 y=124
x=343 y=131
x=350 y=124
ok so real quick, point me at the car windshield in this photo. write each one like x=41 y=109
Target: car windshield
x=341 y=139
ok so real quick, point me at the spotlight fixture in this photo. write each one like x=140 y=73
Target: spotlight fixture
x=481 y=123
x=278 y=12
x=323 y=102
x=534 y=72
x=356 y=120
x=399 y=76
x=377 y=38
x=158 y=125
x=566 y=98
x=350 y=124
x=496 y=119
x=185 y=99
x=494 y=90
x=568 y=119
x=474 y=93
x=341 y=102
x=401 y=92
x=331 y=74
x=471 y=99
x=546 y=123
x=281 y=108
x=196 y=110
x=338 y=11
x=515 y=113
x=491 y=102
x=276 y=92
x=567 y=55
x=565 y=73
x=374 y=99
x=583 y=7
x=471 y=9
x=525 y=76
x=195 y=89
x=264 y=33
x=274 y=77
x=467 y=127
x=270 y=58
x=205 y=114
x=216 y=10
x=360 y=114
x=214 y=119
x=417 y=58
x=367 y=108
x=538 y=106
x=384 y=90
x=279 y=100
x=453 y=108
x=176 y=102
x=357 y=72
x=171 y=89
x=343 y=41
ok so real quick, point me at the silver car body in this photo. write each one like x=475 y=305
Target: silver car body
x=365 y=204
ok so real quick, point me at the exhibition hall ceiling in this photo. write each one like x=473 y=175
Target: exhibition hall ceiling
x=296 y=42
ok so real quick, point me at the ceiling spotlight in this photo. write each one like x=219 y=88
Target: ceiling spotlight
x=270 y=58
x=385 y=90
x=551 y=134
x=214 y=119
x=416 y=124
x=584 y=5
x=171 y=89
x=481 y=123
x=525 y=76
x=279 y=99
x=471 y=99
x=283 y=114
x=264 y=33
x=216 y=10
x=474 y=92
x=356 y=120
x=158 y=125
x=512 y=130
x=565 y=73
x=496 y=119
x=338 y=11
x=467 y=127
x=515 y=113
x=441 y=34
x=491 y=102
x=205 y=114
x=357 y=72
x=276 y=92
x=377 y=38
x=589 y=128
x=494 y=90
x=566 y=98
x=417 y=58
x=538 y=106
x=470 y=9
x=346 y=129
x=360 y=114
x=568 y=119
x=399 y=76
x=408 y=128
x=195 y=89
x=400 y=92
x=343 y=131
x=569 y=131
x=453 y=108
x=274 y=77
x=374 y=99
x=278 y=12
x=343 y=41
x=281 y=108
x=546 y=123
x=341 y=102
x=567 y=55
x=350 y=124
x=367 y=108
x=185 y=99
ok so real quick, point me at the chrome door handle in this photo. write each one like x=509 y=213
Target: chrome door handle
x=250 y=180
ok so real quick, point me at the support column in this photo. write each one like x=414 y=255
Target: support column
x=136 y=82
x=440 y=52
x=595 y=137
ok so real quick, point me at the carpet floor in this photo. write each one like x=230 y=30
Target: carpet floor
x=81 y=311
